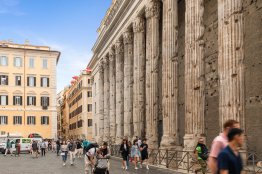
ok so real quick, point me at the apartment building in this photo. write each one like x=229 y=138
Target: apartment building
x=28 y=89
x=79 y=102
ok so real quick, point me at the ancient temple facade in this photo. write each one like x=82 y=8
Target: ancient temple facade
x=174 y=70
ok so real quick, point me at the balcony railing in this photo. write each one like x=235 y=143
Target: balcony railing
x=186 y=162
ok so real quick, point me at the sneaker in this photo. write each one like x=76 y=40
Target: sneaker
x=136 y=168
x=147 y=167
x=126 y=168
x=63 y=164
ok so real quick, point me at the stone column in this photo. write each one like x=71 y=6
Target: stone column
x=230 y=61
x=128 y=84
x=152 y=70
x=106 y=99
x=139 y=77
x=170 y=74
x=119 y=46
x=194 y=73
x=112 y=77
x=101 y=103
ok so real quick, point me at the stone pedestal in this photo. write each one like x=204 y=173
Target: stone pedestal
x=152 y=71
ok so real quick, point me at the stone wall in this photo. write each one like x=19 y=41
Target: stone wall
x=253 y=72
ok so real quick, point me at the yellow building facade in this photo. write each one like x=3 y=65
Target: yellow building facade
x=28 y=90
x=79 y=103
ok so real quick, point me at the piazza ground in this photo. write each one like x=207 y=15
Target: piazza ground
x=52 y=164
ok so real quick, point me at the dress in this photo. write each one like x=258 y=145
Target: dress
x=135 y=152
x=144 y=152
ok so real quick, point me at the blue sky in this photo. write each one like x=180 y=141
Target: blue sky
x=68 y=26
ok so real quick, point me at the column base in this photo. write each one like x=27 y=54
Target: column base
x=168 y=142
x=152 y=143
x=191 y=140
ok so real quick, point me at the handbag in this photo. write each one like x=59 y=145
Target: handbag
x=62 y=153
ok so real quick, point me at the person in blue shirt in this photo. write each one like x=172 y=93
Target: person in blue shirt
x=229 y=160
x=85 y=144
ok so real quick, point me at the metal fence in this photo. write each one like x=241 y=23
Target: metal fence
x=186 y=162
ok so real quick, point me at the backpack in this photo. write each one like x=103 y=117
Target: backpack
x=204 y=152
x=90 y=146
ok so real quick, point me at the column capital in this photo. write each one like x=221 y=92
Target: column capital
x=153 y=9
x=119 y=46
x=111 y=54
x=139 y=25
x=128 y=37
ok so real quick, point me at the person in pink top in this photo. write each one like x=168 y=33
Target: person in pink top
x=219 y=143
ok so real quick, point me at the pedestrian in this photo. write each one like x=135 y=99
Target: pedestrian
x=64 y=152
x=144 y=153
x=219 y=143
x=135 y=153
x=201 y=153
x=129 y=159
x=53 y=143
x=43 y=148
x=35 y=149
x=124 y=150
x=72 y=151
x=58 y=147
x=49 y=145
x=8 y=147
x=17 y=147
x=79 y=149
x=90 y=160
x=85 y=144
x=229 y=159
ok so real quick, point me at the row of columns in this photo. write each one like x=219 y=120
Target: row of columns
x=129 y=74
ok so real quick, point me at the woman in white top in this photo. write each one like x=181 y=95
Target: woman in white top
x=64 y=151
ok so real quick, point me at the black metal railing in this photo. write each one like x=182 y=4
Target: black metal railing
x=187 y=162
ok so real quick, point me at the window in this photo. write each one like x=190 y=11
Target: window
x=18 y=80
x=18 y=62
x=89 y=122
x=17 y=100
x=3 y=61
x=89 y=108
x=95 y=107
x=44 y=65
x=31 y=81
x=17 y=120
x=31 y=63
x=3 y=80
x=89 y=94
x=3 y=120
x=44 y=101
x=44 y=82
x=80 y=123
x=31 y=120
x=45 y=120
x=31 y=100
x=3 y=100
x=88 y=81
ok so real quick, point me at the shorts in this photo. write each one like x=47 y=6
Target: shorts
x=144 y=157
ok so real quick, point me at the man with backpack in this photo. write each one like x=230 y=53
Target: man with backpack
x=201 y=152
x=91 y=152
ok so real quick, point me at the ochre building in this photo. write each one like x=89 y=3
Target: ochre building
x=28 y=89
x=175 y=70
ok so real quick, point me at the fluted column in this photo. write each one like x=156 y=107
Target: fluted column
x=101 y=102
x=119 y=46
x=128 y=84
x=152 y=70
x=139 y=77
x=194 y=73
x=230 y=61
x=170 y=74
x=112 y=110
x=106 y=99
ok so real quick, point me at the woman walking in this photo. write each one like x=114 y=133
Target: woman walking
x=17 y=147
x=144 y=153
x=135 y=153
x=124 y=150
x=64 y=151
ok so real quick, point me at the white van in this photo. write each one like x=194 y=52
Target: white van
x=25 y=144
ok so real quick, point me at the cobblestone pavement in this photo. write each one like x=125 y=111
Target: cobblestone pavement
x=52 y=164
